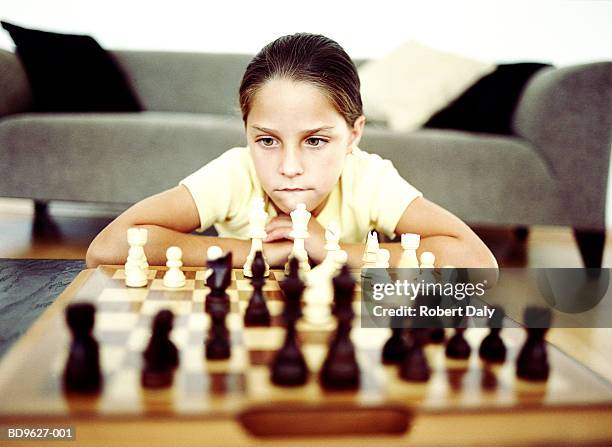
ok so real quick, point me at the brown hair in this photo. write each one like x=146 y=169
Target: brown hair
x=309 y=58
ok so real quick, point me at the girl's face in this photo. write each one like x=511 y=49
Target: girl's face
x=298 y=143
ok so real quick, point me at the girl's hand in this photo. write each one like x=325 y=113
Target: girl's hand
x=280 y=226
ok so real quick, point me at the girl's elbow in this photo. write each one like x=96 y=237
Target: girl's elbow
x=92 y=258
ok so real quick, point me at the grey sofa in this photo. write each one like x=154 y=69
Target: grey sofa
x=552 y=171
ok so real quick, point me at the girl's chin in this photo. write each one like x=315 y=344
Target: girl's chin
x=286 y=205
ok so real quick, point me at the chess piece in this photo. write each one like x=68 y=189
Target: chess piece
x=427 y=260
x=160 y=356
x=371 y=251
x=430 y=328
x=382 y=258
x=217 y=305
x=289 y=367
x=319 y=292
x=437 y=334
x=300 y=217
x=174 y=277
x=136 y=267
x=492 y=348
x=457 y=347
x=396 y=346
x=332 y=237
x=410 y=244
x=340 y=369
x=532 y=362
x=213 y=252
x=257 y=233
x=414 y=366
x=82 y=371
x=257 y=313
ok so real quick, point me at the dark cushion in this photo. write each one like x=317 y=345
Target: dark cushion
x=488 y=105
x=71 y=73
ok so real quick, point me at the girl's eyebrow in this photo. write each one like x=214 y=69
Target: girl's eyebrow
x=264 y=129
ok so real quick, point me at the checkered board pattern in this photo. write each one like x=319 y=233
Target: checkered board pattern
x=202 y=387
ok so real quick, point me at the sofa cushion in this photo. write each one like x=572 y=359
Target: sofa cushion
x=484 y=179
x=488 y=105
x=71 y=73
x=110 y=157
x=413 y=82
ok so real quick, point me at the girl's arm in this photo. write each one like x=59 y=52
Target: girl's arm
x=443 y=234
x=170 y=217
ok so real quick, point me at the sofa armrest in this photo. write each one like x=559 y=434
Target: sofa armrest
x=566 y=113
x=15 y=94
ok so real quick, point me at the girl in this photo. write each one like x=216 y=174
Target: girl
x=303 y=119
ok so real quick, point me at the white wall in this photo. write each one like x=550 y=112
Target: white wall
x=560 y=32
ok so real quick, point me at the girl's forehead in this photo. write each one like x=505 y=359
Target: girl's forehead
x=292 y=102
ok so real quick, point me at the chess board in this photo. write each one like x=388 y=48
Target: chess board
x=236 y=399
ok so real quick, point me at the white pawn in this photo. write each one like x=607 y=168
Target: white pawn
x=371 y=251
x=410 y=243
x=136 y=266
x=382 y=258
x=427 y=260
x=174 y=277
x=213 y=252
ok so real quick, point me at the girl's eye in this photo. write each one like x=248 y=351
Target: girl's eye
x=316 y=141
x=266 y=141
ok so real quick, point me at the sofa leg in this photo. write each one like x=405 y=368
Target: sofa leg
x=43 y=225
x=521 y=233
x=591 y=245
x=41 y=210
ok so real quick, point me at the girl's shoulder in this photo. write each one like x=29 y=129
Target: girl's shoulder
x=362 y=162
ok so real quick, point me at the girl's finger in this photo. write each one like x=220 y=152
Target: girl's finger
x=277 y=234
x=278 y=223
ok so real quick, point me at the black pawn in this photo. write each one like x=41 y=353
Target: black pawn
x=492 y=348
x=82 y=372
x=289 y=367
x=414 y=366
x=340 y=370
x=457 y=346
x=437 y=335
x=218 y=306
x=161 y=356
x=532 y=362
x=395 y=347
x=434 y=326
x=257 y=313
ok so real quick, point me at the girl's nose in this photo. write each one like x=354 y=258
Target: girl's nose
x=291 y=164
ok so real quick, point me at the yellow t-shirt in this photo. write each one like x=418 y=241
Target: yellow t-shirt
x=370 y=194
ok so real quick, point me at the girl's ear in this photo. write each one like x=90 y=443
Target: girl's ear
x=356 y=133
